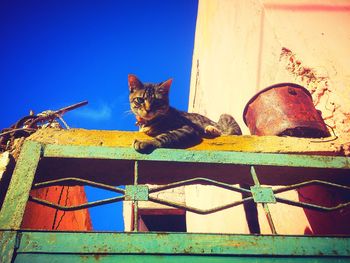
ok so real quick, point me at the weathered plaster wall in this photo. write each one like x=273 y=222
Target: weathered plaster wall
x=225 y=57
x=242 y=47
x=314 y=39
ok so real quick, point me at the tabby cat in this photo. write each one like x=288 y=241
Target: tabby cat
x=169 y=127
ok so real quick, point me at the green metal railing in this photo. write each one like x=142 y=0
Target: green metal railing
x=135 y=193
x=14 y=240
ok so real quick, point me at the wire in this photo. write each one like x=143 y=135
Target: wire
x=329 y=140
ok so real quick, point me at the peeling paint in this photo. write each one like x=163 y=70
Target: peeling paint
x=325 y=95
x=246 y=143
x=7 y=245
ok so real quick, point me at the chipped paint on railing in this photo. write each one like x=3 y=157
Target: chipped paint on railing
x=219 y=157
x=182 y=243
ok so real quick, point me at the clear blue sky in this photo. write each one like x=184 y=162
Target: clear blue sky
x=54 y=53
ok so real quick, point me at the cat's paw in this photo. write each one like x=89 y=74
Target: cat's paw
x=144 y=146
x=212 y=131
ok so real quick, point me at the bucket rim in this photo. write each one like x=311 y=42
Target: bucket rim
x=278 y=85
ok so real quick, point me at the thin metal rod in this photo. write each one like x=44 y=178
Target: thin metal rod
x=79 y=180
x=136 y=172
x=196 y=210
x=136 y=216
x=254 y=176
x=311 y=182
x=312 y=206
x=269 y=218
x=135 y=203
x=76 y=207
x=199 y=180
x=265 y=206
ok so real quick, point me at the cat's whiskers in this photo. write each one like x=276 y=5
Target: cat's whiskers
x=128 y=112
x=169 y=127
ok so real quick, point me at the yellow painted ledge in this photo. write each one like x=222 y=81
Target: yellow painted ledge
x=246 y=143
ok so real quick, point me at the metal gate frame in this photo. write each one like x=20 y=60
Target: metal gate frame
x=35 y=246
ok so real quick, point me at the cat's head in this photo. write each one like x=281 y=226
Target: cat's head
x=148 y=100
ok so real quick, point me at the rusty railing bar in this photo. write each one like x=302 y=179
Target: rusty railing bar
x=196 y=210
x=198 y=180
x=86 y=182
x=311 y=206
x=76 y=207
x=311 y=182
x=187 y=182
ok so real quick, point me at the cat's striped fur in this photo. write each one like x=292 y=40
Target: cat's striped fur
x=169 y=127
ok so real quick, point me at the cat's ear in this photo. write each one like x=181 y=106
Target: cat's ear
x=134 y=83
x=165 y=87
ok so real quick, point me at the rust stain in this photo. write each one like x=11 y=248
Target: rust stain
x=96 y=257
x=241 y=244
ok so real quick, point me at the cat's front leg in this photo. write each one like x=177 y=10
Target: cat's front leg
x=212 y=131
x=179 y=138
x=146 y=146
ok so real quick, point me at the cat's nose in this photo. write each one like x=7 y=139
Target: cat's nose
x=147 y=106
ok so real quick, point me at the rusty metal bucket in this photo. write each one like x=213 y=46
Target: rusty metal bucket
x=284 y=109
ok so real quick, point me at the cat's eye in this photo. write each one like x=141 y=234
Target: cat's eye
x=139 y=100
